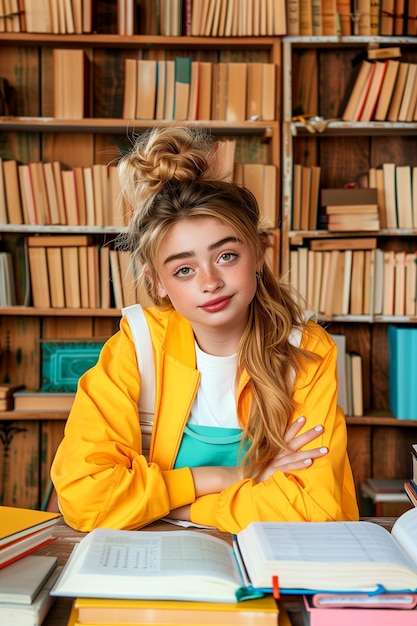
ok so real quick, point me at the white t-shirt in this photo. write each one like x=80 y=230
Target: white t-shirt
x=215 y=404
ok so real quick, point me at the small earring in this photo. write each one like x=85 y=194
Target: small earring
x=257 y=274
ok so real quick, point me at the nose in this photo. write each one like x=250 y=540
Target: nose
x=210 y=280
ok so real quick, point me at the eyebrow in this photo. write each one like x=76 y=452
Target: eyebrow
x=190 y=253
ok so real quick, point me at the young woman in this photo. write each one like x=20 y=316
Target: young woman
x=246 y=423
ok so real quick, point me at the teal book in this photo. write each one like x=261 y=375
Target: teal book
x=402 y=363
x=182 y=87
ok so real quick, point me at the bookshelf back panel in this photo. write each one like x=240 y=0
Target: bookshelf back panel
x=391 y=451
x=20 y=66
x=19 y=469
x=23 y=147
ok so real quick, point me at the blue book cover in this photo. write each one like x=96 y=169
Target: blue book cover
x=402 y=347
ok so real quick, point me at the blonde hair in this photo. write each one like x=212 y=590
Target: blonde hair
x=170 y=174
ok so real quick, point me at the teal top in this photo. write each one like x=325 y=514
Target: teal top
x=210 y=445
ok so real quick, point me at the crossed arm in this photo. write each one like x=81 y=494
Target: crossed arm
x=211 y=479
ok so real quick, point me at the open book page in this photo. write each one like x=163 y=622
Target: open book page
x=325 y=555
x=404 y=532
x=171 y=565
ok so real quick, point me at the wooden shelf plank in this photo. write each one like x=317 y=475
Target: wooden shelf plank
x=138 y=41
x=32 y=311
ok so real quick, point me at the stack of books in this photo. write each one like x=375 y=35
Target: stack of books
x=126 y=572
x=383 y=492
x=26 y=579
x=6 y=396
x=350 y=209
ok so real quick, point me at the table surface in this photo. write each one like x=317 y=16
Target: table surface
x=67 y=538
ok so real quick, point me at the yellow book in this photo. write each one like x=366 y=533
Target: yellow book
x=257 y=612
x=17 y=522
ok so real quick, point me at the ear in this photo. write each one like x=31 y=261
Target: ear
x=160 y=290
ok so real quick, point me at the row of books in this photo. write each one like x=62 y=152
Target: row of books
x=61 y=17
x=26 y=578
x=45 y=193
x=383 y=91
x=48 y=16
x=350 y=378
x=211 y=18
x=369 y=281
x=388 y=196
x=231 y=18
x=396 y=187
x=363 y=18
x=402 y=351
x=70 y=271
x=185 y=89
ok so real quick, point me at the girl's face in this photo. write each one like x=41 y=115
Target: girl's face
x=209 y=276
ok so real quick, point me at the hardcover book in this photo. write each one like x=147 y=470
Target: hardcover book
x=16 y=523
x=22 y=580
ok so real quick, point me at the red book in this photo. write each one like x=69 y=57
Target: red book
x=364 y=95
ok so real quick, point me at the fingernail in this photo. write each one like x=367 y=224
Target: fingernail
x=323 y=450
x=308 y=462
x=301 y=419
x=318 y=428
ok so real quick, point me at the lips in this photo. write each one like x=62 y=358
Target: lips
x=216 y=305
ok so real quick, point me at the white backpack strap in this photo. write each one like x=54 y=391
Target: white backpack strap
x=144 y=355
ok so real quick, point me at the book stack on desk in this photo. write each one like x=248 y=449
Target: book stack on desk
x=383 y=493
x=26 y=579
x=268 y=559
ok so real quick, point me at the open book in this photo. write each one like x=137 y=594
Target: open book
x=194 y=565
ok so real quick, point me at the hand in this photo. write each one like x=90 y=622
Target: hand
x=295 y=458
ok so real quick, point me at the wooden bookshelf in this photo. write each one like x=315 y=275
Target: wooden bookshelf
x=31 y=133
x=316 y=74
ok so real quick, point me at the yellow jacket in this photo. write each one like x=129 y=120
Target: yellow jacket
x=102 y=479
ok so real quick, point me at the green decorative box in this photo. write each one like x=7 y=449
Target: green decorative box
x=64 y=362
